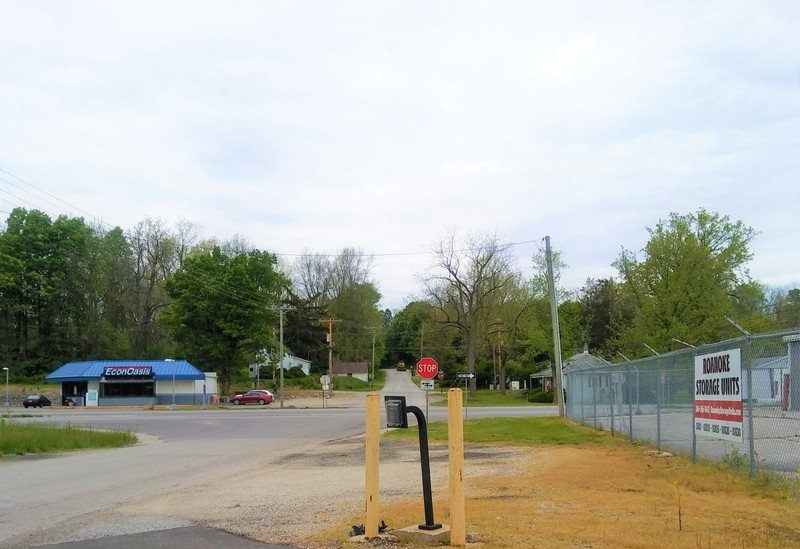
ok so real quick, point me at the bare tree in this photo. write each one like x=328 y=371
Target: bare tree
x=187 y=235
x=310 y=274
x=463 y=282
x=153 y=252
x=348 y=269
x=319 y=278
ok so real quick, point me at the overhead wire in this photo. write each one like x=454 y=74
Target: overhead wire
x=207 y=279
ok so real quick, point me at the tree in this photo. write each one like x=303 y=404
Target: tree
x=357 y=307
x=304 y=334
x=223 y=308
x=785 y=307
x=341 y=286
x=603 y=316
x=462 y=282
x=153 y=260
x=682 y=287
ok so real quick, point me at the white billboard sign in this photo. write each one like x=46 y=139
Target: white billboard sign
x=718 y=395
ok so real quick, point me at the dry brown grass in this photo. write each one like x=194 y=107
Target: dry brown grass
x=606 y=497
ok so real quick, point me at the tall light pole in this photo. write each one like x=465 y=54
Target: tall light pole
x=6 y=369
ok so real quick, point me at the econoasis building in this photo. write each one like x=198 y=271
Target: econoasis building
x=133 y=383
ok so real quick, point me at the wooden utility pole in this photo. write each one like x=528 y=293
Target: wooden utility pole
x=331 y=322
x=551 y=286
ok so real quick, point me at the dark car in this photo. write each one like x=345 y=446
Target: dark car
x=256 y=396
x=36 y=400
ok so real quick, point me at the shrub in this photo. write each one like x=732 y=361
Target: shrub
x=537 y=395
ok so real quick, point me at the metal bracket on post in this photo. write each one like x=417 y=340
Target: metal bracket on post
x=396 y=412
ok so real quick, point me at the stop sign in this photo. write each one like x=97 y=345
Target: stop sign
x=427 y=368
x=441 y=375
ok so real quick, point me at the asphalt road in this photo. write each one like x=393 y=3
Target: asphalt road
x=47 y=494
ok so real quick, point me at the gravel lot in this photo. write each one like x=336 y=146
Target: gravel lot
x=306 y=492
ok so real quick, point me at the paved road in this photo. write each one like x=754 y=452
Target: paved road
x=42 y=496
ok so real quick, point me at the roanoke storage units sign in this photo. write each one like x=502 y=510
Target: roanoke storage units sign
x=718 y=395
x=111 y=373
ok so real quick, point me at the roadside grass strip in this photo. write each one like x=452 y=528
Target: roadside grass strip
x=490 y=397
x=19 y=439
x=527 y=431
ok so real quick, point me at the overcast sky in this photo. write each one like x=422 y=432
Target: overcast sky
x=312 y=126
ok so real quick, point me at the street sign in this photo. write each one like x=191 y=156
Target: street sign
x=465 y=375
x=427 y=368
x=325 y=379
x=426 y=384
x=440 y=375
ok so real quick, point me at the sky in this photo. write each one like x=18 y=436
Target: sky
x=311 y=126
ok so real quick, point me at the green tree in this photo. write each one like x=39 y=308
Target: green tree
x=223 y=308
x=785 y=308
x=357 y=307
x=682 y=286
x=304 y=333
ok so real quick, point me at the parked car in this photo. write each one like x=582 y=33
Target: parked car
x=36 y=400
x=257 y=396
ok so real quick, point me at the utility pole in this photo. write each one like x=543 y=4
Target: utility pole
x=279 y=362
x=551 y=285
x=372 y=364
x=330 y=322
x=280 y=359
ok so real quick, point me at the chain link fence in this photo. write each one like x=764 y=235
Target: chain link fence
x=663 y=400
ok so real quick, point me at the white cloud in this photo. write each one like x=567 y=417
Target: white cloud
x=315 y=125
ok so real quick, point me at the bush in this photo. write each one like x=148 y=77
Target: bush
x=537 y=395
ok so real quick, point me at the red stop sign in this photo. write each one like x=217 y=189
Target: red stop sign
x=427 y=368
x=441 y=375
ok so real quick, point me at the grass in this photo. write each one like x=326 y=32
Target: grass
x=23 y=439
x=528 y=431
x=492 y=397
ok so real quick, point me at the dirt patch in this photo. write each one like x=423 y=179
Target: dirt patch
x=570 y=497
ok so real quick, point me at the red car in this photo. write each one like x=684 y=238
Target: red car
x=256 y=396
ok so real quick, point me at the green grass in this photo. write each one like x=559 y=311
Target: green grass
x=21 y=439
x=528 y=431
x=492 y=397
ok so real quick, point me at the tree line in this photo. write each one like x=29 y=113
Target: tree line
x=76 y=291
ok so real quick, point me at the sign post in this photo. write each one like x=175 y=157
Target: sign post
x=325 y=381
x=466 y=376
x=427 y=368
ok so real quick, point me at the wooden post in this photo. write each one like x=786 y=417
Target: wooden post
x=371 y=484
x=455 y=438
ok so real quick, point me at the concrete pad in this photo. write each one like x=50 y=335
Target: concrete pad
x=429 y=537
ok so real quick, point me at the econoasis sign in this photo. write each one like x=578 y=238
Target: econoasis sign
x=718 y=395
x=127 y=372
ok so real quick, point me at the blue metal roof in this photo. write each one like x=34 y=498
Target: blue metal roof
x=93 y=370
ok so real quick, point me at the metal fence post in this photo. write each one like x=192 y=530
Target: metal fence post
x=611 y=393
x=694 y=430
x=750 y=399
x=658 y=411
x=630 y=404
x=594 y=399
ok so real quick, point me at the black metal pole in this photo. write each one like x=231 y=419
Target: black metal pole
x=422 y=425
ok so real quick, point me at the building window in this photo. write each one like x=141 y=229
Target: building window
x=122 y=390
